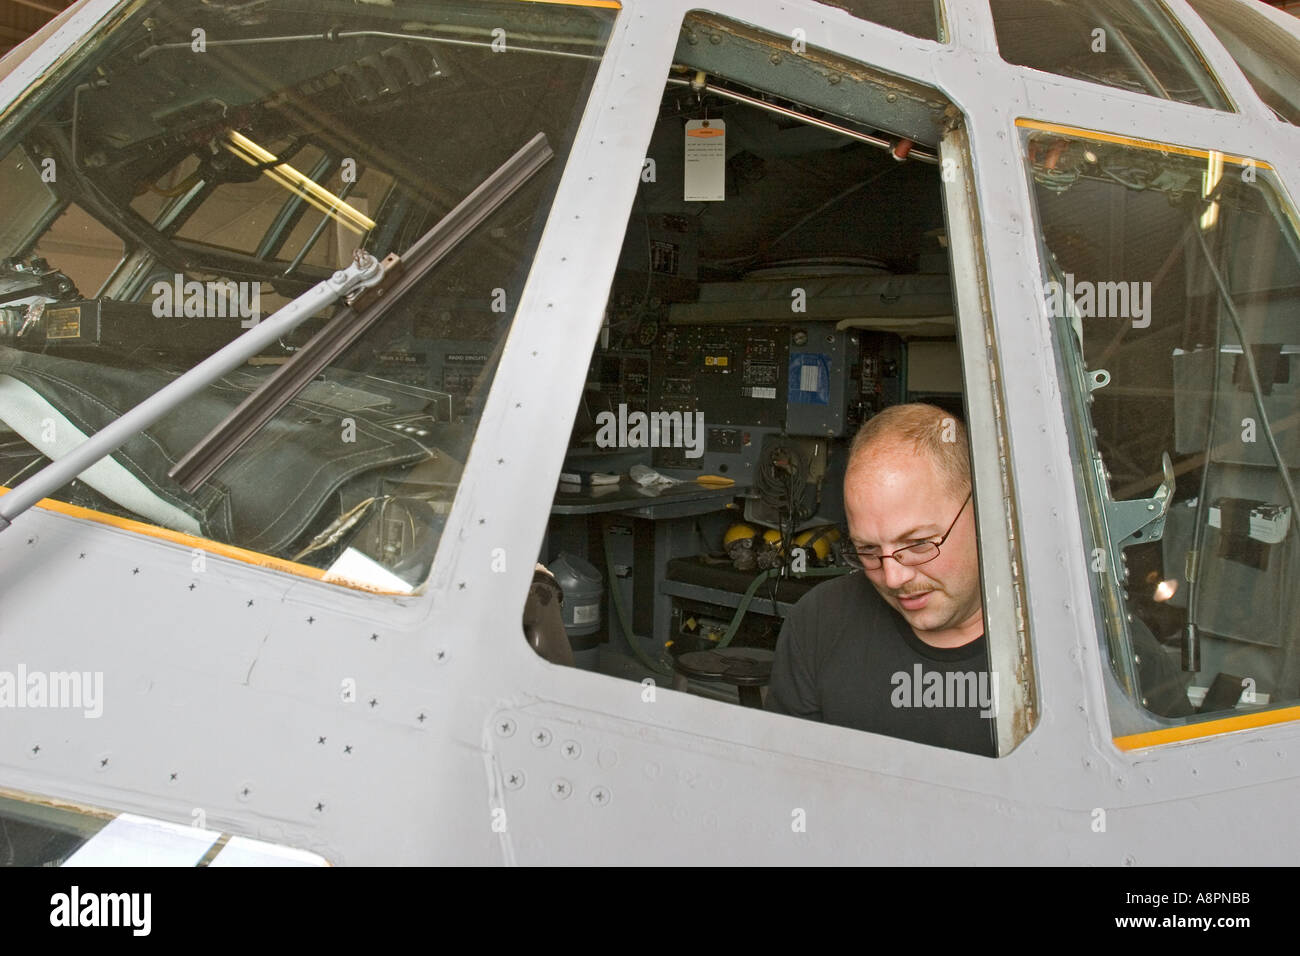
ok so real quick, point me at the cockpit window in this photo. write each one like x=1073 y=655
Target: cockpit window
x=1172 y=282
x=209 y=163
x=1267 y=54
x=1130 y=46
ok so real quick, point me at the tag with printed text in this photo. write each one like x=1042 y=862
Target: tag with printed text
x=706 y=161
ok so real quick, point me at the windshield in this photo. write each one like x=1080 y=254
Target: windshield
x=207 y=164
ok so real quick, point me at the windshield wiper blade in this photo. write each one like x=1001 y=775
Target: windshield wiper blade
x=216 y=448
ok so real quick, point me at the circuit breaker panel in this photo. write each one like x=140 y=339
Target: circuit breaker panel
x=749 y=381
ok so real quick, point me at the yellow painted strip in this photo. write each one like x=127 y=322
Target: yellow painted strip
x=607 y=4
x=1210 y=728
x=180 y=537
x=1140 y=143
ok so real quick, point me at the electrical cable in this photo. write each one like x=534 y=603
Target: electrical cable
x=1256 y=390
x=778 y=482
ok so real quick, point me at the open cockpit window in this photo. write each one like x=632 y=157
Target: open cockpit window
x=785 y=281
x=206 y=164
x=1173 y=279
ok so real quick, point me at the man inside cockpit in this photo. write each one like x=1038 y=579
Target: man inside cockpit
x=899 y=649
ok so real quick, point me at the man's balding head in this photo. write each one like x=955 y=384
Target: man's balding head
x=921 y=430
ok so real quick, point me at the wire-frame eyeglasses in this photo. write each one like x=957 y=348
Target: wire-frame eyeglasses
x=913 y=555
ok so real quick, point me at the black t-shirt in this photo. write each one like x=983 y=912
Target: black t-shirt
x=846 y=657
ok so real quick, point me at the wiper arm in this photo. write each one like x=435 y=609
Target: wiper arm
x=365 y=271
x=216 y=448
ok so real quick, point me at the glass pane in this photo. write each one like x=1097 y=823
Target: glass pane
x=1174 y=284
x=1132 y=46
x=1269 y=56
x=239 y=176
x=166 y=191
x=82 y=247
x=28 y=200
x=920 y=18
x=323 y=242
x=237 y=215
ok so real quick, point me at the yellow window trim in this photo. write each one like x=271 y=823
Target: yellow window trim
x=255 y=558
x=1139 y=143
x=1210 y=728
x=607 y=4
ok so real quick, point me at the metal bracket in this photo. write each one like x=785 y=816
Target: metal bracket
x=1139 y=521
x=377 y=286
x=1097 y=378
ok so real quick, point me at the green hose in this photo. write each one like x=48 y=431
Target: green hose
x=750 y=591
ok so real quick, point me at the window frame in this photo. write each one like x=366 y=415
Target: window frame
x=1001 y=552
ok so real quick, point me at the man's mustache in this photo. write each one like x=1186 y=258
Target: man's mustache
x=903 y=594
